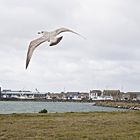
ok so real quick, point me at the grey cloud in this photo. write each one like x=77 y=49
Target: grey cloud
x=108 y=58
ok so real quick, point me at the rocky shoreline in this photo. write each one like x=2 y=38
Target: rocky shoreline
x=123 y=105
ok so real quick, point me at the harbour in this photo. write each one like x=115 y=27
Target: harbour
x=9 y=107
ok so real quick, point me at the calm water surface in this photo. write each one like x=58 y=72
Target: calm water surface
x=8 y=107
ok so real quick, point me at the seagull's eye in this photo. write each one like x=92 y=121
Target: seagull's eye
x=42 y=32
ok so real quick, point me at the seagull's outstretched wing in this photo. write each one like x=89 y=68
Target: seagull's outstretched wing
x=60 y=30
x=32 y=46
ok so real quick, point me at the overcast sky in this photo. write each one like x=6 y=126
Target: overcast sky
x=108 y=59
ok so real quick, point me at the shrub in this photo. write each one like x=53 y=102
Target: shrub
x=43 y=111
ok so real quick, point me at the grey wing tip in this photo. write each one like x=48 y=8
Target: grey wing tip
x=27 y=63
x=26 y=67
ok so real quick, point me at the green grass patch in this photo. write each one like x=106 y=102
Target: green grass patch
x=71 y=126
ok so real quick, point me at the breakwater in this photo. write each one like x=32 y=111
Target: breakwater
x=119 y=104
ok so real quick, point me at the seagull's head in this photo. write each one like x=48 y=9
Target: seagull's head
x=41 y=32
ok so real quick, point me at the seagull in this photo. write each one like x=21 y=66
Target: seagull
x=51 y=37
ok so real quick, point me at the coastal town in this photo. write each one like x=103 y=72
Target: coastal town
x=105 y=98
x=92 y=95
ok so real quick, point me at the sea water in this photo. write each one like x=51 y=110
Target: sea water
x=8 y=107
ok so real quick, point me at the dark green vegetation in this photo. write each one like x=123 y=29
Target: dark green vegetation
x=43 y=111
x=71 y=126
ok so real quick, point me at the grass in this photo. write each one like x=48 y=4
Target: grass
x=71 y=126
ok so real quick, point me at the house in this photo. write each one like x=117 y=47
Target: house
x=39 y=95
x=131 y=96
x=75 y=96
x=95 y=95
x=48 y=96
x=125 y=96
x=138 y=96
x=72 y=96
x=84 y=96
x=115 y=94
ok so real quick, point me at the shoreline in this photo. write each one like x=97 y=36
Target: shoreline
x=130 y=105
x=120 y=105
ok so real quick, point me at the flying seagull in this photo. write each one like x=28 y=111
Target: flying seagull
x=46 y=36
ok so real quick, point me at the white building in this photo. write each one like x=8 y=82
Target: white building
x=22 y=94
x=98 y=95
